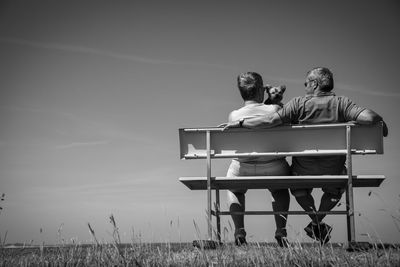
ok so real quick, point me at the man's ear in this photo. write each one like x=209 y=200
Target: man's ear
x=315 y=84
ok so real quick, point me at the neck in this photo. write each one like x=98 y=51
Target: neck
x=318 y=91
x=250 y=102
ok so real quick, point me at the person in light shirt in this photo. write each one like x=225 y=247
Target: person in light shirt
x=251 y=88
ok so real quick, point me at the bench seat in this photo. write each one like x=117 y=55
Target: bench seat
x=278 y=182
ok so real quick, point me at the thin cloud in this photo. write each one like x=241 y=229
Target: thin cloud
x=77 y=125
x=339 y=86
x=365 y=91
x=105 y=53
x=135 y=58
x=81 y=144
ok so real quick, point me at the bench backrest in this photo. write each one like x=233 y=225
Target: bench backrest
x=283 y=140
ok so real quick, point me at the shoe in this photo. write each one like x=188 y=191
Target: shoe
x=282 y=241
x=240 y=237
x=240 y=241
x=280 y=236
x=325 y=233
x=310 y=230
x=320 y=232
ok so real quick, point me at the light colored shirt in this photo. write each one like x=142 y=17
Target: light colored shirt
x=251 y=111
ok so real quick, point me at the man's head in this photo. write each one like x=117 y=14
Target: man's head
x=321 y=78
x=250 y=85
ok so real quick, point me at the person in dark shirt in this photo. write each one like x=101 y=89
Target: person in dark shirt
x=319 y=105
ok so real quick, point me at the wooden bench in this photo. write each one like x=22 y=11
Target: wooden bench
x=295 y=140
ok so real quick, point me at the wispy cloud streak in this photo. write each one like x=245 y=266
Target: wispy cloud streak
x=105 y=53
x=338 y=86
x=368 y=92
x=135 y=58
x=82 y=144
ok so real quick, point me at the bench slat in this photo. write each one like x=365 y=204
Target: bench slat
x=292 y=212
x=287 y=140
x=280 y=154
x=277 y=182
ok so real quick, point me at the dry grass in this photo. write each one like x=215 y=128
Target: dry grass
x=137 y=253
x=185 y=255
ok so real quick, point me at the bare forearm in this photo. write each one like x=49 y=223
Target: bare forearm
x=262 y=122
x=369 y=116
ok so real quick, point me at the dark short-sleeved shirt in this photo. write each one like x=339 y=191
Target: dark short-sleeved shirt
x=324 y=107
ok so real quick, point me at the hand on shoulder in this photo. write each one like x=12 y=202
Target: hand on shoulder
x=275 y=108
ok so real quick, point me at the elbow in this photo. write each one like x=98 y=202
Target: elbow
x=368 y=117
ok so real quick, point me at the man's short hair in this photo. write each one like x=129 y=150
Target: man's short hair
x=248 y=84
x=323 y=76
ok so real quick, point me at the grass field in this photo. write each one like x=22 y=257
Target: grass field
x=184 y=254
x=137 y=253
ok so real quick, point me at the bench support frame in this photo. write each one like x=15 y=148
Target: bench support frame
x=349 y=212
x=349 y=190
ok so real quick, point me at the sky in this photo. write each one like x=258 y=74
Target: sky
x=92 y=94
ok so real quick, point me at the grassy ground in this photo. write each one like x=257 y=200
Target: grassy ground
x=183 y=254
x=115 y=253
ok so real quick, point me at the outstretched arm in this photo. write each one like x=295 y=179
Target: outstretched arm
x=255 y=122
x=369 y=116
x=263 y=121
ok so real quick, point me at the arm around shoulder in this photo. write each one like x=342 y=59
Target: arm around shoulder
x=263 y=121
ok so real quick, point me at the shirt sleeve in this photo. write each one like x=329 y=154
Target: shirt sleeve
x=289 y=112
x=232 y=116
x=349 y=109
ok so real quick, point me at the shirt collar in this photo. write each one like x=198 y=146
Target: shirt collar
x=323 y=94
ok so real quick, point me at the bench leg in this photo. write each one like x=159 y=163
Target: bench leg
x=208 y=160
x=350 y=218
x=217 y=215
x=349 y=190
x=209 y=214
